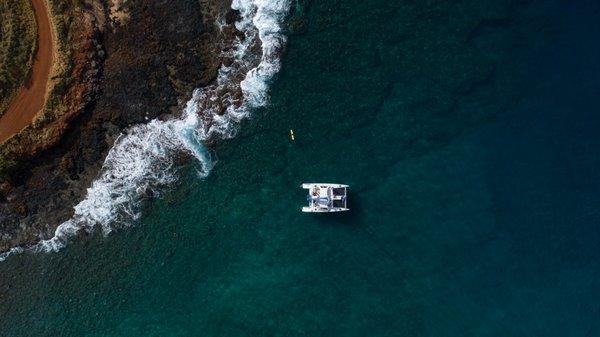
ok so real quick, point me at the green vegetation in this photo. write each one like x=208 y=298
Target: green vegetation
x=65 y=25
x=7 y=167
x=18 y=34
x=65 y=28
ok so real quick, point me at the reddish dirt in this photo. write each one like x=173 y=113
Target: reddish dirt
x=31 y=97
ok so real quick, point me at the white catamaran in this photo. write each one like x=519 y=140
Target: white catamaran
x=325 y=198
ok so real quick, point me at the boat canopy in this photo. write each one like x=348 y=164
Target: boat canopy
x=325 y=197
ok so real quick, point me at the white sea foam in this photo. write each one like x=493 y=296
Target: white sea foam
x=142 y=159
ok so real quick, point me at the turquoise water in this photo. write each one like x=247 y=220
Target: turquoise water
x=468 y=134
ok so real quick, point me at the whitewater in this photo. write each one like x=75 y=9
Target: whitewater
x=142 y=159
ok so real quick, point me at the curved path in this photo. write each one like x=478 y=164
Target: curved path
x=31 y=97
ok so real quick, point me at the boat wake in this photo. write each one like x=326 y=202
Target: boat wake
x=142 y=160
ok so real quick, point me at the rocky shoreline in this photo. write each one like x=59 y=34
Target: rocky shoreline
x=133 y=62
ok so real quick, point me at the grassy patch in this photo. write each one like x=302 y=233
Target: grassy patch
x=18 y=36
x=62 y=13
x=15 y=152
x=7 y=167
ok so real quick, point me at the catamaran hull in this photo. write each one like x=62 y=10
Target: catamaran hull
x=311 y=210
x=311 y=185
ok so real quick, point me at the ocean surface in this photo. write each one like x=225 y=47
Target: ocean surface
x=469 y=133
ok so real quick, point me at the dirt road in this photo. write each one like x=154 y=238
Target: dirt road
x=31 y=97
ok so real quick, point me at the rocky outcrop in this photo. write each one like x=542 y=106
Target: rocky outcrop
x=128 y=67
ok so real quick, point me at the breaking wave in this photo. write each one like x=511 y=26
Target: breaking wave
x=143 y=158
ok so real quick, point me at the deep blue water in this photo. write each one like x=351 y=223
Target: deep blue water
x=469 y=135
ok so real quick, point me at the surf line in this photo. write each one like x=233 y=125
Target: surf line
x=143 y=158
